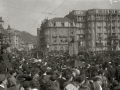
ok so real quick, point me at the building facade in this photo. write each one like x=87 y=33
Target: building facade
x=94 y=29
x=79 y=16
x=56 y=34
x=103 y=29
x=13 y=37
x=99 y=27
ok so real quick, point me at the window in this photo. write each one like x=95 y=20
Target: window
x=65 y=39
x=62 y=24
x=66 y=47
x=81 y=43
x=72 y=32
x=54 y=24
x=54 y=32
x=71 y=24
x=54 y=40
x=61 y=40
x=83 y=17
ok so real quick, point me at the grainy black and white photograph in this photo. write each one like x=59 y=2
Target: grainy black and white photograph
x=59 y=44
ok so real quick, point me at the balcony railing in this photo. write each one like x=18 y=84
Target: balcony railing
x=114 y=37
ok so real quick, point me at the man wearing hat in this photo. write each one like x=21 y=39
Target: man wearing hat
x=3 y=82
x=6 y=57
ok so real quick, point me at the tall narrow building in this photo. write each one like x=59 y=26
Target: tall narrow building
x=79 y=17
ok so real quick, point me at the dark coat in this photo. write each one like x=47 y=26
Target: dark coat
x=61 y=81
x=7 y=59
x=107 y=74
x=112 y=72
x=118 y=73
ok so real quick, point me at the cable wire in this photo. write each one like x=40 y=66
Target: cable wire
x=57 y=8
x=41 y=15
x=26 y=9
x=53 y=11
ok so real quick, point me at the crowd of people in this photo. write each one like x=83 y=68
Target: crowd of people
x=54 y=72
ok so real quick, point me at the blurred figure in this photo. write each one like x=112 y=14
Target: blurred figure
x=3 y=82
x=6 y=57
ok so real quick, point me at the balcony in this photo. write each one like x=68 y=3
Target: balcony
x=99 y=38
x=99 y=44
x=99 y=26
x=64 y=36
x=114 y=37
x=54 y=36
x=81 y=38
x=80 y=20
x=99 y=19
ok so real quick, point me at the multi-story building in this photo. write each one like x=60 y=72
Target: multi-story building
x=100 y=28
x=79 y=16
x=57 y=33
x=103 y=29
x=94 y=29
x=13 y=37
x=17 y=39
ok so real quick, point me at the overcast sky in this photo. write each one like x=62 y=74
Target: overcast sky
x=26 y=15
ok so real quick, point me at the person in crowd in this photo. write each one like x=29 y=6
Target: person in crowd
x=103 y=79
x=53 y=84
x=97 y=84
x=12 y=80
x=6 y=57
x=3 y=82
x=118 y=72
x=112 y=71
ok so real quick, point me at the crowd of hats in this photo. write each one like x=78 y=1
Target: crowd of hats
x=40 y=73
